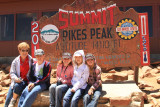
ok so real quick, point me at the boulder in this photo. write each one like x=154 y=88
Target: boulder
x=7 y=69
x=4 y=77
x=145 y=68
x=155 y=95
x=120 y=101
x=158 y=80
x=1 y=100
x=125 y=68
x=5 y=95
x=53 y=71
x=2 y=73
x=112 y=71
x=143 y=84
x=137 y=96
x=2 y=94
x=158 y=67
x=148 y=74
x=145 y=96
x=130 y=72
x=136 y=104
x=154 y=102
x=53 y=80
x=148 y=105
x=6 y=82
x=3 y=66
x=0 y=87
x=155 y=71
x=122 y=94
x=106 y=76
x=120 y=76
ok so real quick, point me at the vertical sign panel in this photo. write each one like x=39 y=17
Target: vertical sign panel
x=144 y=39
x=34 y=36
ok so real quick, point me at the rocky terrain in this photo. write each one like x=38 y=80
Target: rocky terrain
x=149 y=81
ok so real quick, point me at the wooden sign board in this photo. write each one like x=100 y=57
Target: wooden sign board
x=113 y=36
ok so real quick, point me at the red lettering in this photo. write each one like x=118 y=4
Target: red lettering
x=85 y=18
x=111 y=13
x=34 y=37
x=71 y=18
x=104 y=15
x=63 y=19
x=95 y=17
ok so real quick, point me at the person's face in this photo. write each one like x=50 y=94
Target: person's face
x=40 y=58
x=23 y=52
x=78 y=60
x=66 y=61
x=90 y=62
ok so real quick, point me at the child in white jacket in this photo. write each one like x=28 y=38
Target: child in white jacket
x=80 y=77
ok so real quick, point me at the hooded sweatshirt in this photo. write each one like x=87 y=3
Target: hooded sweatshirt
x=81 y=72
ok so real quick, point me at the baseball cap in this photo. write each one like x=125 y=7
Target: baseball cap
x=89 y=56
x=66 y=55
x=39 y=52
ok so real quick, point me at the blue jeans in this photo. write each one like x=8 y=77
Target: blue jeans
x=17 y=88
x=28 y=97
x=56 y=94
x=87 y=102
x=76 y=96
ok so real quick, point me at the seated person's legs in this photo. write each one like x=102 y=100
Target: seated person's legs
x=77 y=95
x=67 y=98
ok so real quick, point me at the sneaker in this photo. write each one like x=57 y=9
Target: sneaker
x=12 y=103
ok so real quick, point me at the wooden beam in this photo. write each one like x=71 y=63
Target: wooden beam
x=136 y=74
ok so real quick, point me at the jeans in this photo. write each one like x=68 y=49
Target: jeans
x=17 y=88
x=87 y=102
x=76 y=96
x=28 y=97
x=56 y=94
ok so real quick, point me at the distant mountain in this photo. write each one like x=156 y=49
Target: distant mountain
x=49 y=31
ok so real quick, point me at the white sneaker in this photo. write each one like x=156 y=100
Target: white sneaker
x=12 y=103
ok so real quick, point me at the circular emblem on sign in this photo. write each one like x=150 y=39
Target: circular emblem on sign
x=49 y=34
x=127 y=29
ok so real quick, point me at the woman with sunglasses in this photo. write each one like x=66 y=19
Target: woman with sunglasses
x=64 y=76
x=94 y=82
x=20 y=68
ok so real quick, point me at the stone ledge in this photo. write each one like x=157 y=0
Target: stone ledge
x=121 y=94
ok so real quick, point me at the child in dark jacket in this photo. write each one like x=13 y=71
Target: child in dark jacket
x=39 y=80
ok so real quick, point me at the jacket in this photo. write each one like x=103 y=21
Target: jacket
x=46 y=74
x=65 y=76
x=94 y=79
x=15 y=69
x=81 y=73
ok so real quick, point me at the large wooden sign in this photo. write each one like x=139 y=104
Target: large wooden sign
x=116 y=38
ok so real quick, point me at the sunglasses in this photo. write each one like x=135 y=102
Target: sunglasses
x=65 y=58
x=24 y=50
